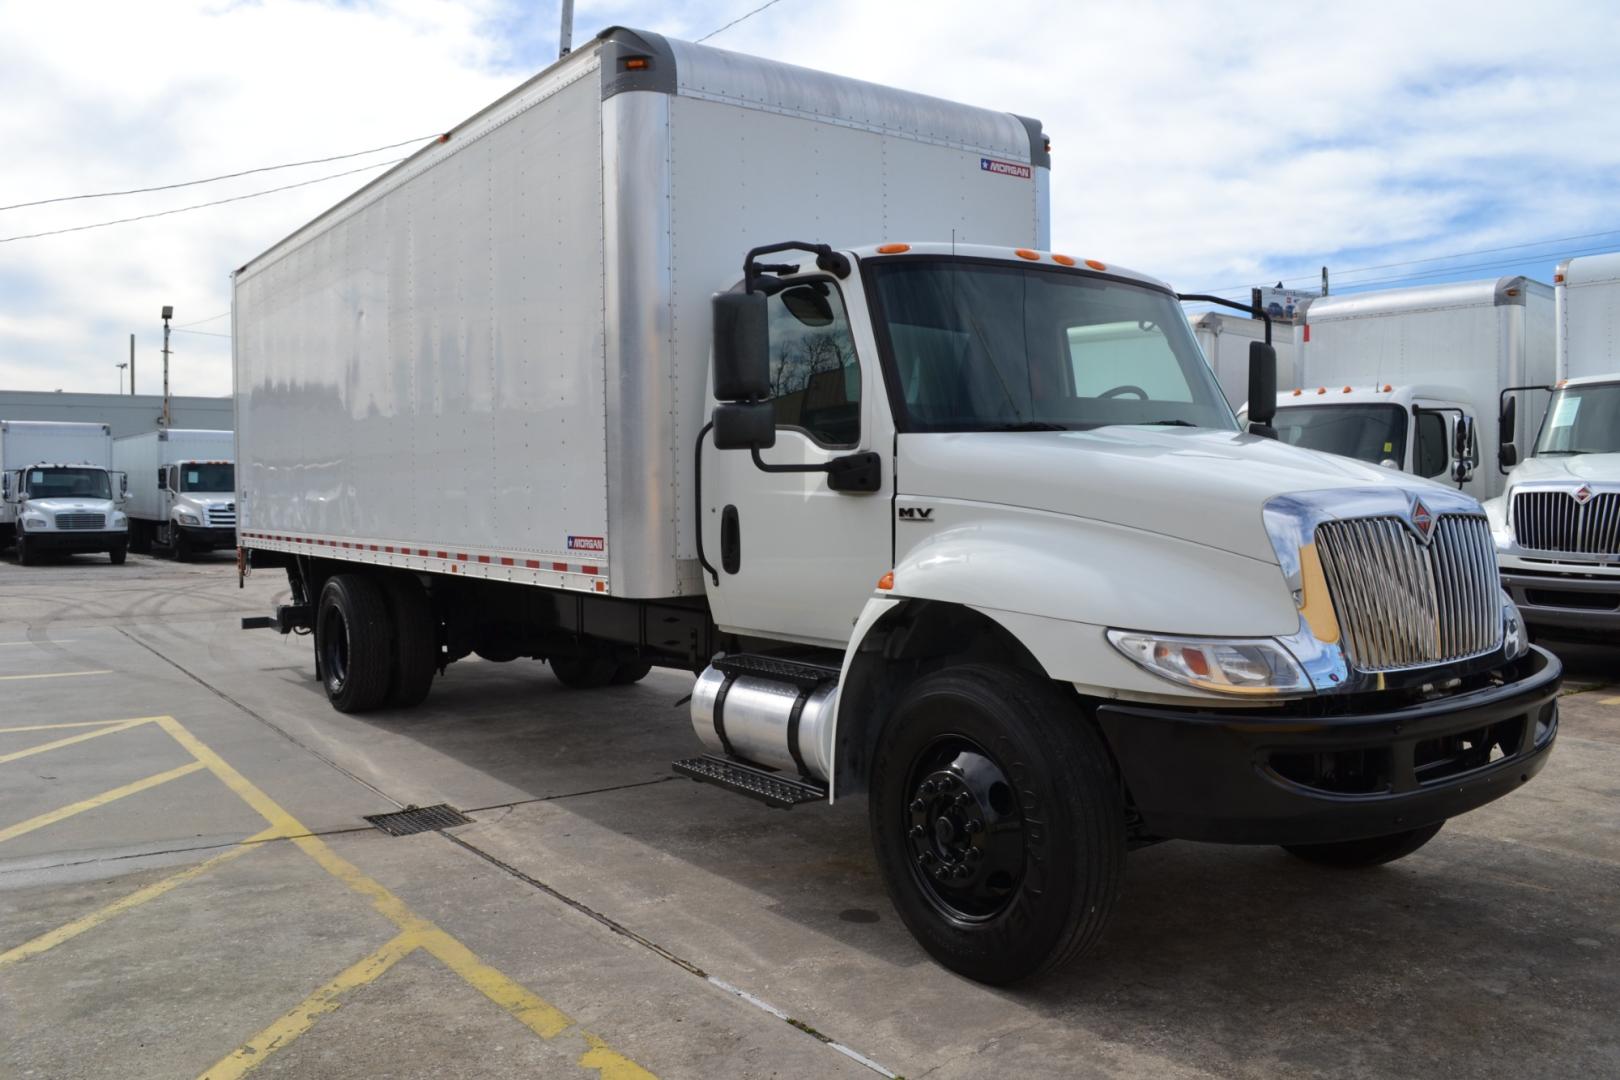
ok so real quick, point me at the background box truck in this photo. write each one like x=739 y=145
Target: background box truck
x=1557 y=525
x=182 y=489
x=1389 y=376
x=937 y=515
x=1224 y=340
x=59 y=491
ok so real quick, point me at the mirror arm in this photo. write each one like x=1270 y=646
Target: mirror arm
x=852 y=472
x=1254 y=310
x=827 y=260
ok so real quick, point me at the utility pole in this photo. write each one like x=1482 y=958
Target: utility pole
x=168 y=313
x=132 y=365
x=121 y=368
x=1324 y=281
x=565 y=35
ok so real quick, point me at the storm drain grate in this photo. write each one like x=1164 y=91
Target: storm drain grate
x=419 y=819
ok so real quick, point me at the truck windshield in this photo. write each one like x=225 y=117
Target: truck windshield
x=1373 y=433
x=208 y=476
x=977 y=345
x=68 y=484
x=1582 y=420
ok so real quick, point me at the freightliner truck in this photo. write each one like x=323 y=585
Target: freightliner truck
x=1557 y=524
x=678 y=357
x=58 y=491
x=182 y=490
x=1410 y=378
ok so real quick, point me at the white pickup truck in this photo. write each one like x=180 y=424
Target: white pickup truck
x=934 y=513
x=58 y=491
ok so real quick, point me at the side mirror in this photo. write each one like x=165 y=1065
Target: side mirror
x=745 y=426
x=742 y=350
x=1462 y=442
x=1505 y=423
x=163 y=479
x=1262 y=388
x=123 y=484
x=1507 y=456
x=5 y=487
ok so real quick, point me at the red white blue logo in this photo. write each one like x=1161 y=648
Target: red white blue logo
x=1422 y=520
x=1583 y=494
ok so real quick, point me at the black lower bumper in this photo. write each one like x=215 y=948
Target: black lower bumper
x=77 y=541
x=1565 y=601
x=1267 y=777
x=203 y=538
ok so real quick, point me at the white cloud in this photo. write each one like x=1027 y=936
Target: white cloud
x=1208 y=144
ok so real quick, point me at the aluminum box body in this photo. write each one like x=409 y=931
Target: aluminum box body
x=492 y=359
x=1588 y=302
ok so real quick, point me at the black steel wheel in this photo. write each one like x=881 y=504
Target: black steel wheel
x=999 y=822
x=415 y=642
x=1373 y=851
x=354 y=642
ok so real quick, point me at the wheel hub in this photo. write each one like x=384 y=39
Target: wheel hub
x=965 y=831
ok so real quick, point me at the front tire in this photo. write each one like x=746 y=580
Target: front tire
x=26 y=555
x=999 y=822
x=355 y=645
x=1373 y=851
x=117 y=555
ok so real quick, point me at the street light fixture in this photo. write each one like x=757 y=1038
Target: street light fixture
x=121 y=368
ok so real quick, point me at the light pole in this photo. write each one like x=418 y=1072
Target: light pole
x=168 y=313
x=121 y=368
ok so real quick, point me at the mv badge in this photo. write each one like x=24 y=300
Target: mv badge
x=915 y=513
x=1422 y=519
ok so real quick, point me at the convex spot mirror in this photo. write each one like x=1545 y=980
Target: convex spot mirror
x=809 y=303
x=745 y=426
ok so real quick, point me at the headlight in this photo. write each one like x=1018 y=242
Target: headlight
x=187 y=519
x=1222 y=665
x=1515 y=642
x=120 y=521
x=36 y=522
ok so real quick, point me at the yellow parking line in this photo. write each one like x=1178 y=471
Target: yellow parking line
x=1609 y=701
x=538 y=1015
x=250 y=1054
x=103 y=799
x=59 y=727
x=140 y=896
x=56 y=675
x=108 y=729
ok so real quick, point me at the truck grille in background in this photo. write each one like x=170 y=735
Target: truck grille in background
x=1402 y=603
x=81 y=521
x=221 y=517
x=1554 y=521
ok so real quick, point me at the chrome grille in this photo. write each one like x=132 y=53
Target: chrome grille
x=222 y=516
x=1554 y=521
x=81 y=521
x=1402 y=603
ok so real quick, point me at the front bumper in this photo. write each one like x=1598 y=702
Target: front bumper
x=69 y=540
x=1565 y=599
x=1271 y=777
x=204 y=537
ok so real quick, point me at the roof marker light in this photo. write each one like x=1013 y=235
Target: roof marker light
x=1388 y=388
x=1347 y=389
x=1063 y=260
x=1558 y=279
x=1095 y=265
x=1298 y=392
x=1025 y=253
x=893 y=249
x=886 y=582
x=1321 y=389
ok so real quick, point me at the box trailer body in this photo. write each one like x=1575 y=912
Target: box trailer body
x=182 y=489
x=1224 y=340
x=917 y=500
x=1371 y=365
x=1557 y=525
x=60 y=491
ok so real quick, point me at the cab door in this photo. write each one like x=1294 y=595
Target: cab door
x=1434 y=441
x=795 y=558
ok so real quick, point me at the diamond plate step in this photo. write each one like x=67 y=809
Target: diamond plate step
x=771 y=788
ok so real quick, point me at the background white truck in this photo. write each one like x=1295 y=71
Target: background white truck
x=182 y=489
x=59 y=491
x=1224 y=340
x=1389 y=376
x=939 y=515
x=1557 y=525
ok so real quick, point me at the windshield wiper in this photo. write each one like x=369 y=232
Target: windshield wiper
x=1168 y=423
x=1029 y=425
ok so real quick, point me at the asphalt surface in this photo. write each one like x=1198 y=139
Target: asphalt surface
x=188 y=888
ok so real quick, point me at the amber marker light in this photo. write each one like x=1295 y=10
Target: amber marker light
x=893 y=249
x=1095 y=265
x=1025 y=253
x=886 y=582
x=1063 y=260
x=636 y=63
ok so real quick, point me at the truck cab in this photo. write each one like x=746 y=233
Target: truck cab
x=65 y=508
x=1428 y=431
x=197 y=502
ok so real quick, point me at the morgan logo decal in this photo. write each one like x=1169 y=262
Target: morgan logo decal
x=1005 y=168
x=1583 y=494
x=1422 y=521
x=587 y=543
x=915 y=513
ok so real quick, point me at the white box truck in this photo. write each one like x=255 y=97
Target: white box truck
x=937 y=514
x=182 y=490
x=1224 y=340
x=1557 y=525
x=58 y=490
x=1404 y=377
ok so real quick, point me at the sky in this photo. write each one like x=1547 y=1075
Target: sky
x=1213 y=145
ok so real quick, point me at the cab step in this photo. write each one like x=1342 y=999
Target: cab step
x=774 y=789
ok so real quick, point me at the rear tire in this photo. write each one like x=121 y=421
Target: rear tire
x=354 y=641
x=117 y=555
x=632 y=671
x=583 y=672
x=140 y=538
x=1010 y=864
x=416 y=641
x=1373 y=851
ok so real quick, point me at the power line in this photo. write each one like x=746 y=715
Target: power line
x=741 y=18
x=200 y=322
x=214 y=179
x=204 y=333
x=200 y=206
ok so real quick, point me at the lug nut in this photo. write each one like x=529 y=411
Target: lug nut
x=962 y=871
x=918 y=832
x=963 y=799
x=972 y=825
x=925 y=858
x=973 y=854
x=918 y=806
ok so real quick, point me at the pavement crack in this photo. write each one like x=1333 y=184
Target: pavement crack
x=66 y=864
